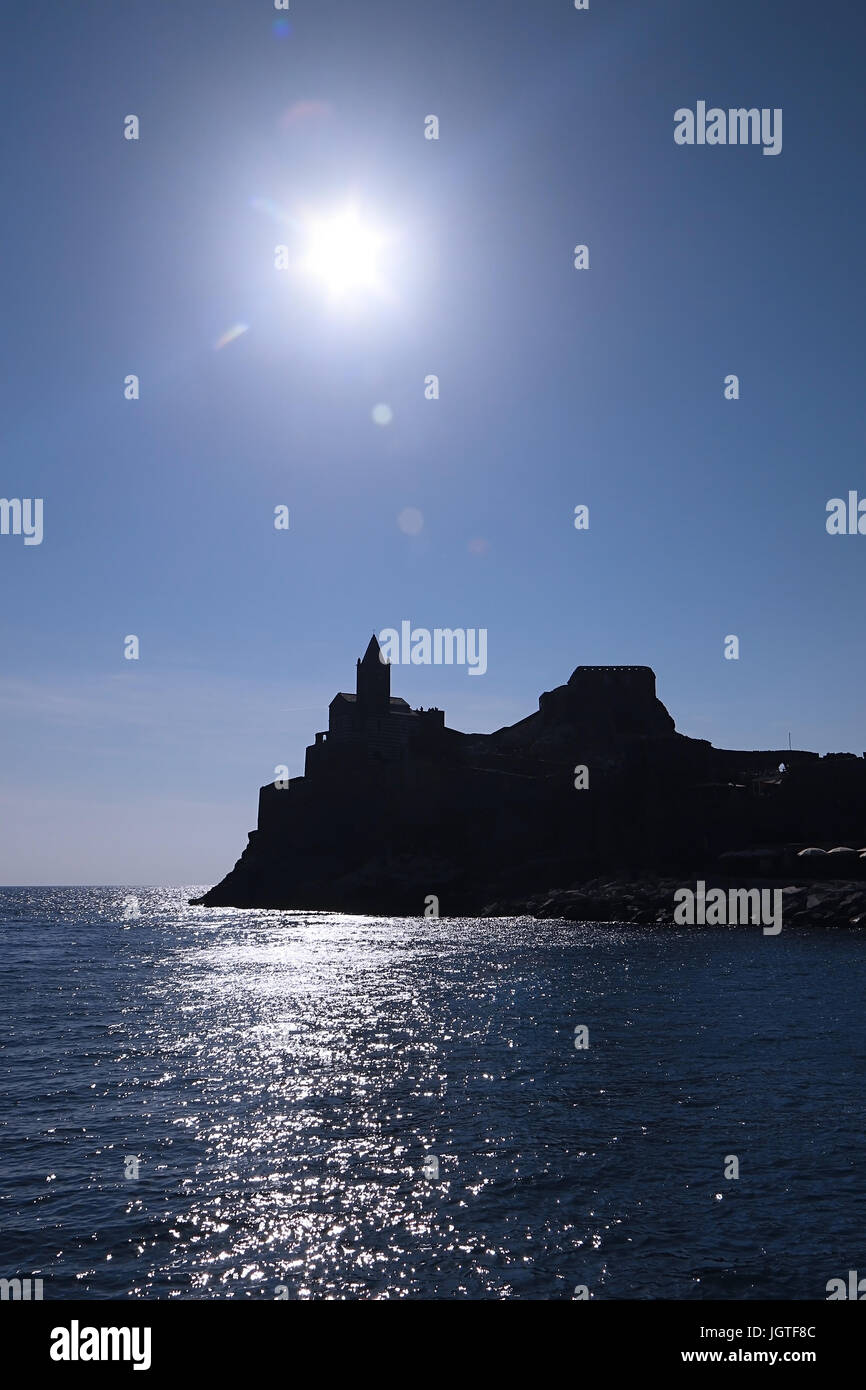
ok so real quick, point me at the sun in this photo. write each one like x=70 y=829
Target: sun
x=344 y=252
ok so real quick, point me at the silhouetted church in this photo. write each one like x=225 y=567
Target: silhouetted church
x=372 y=722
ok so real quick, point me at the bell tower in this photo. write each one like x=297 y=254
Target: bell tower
x=373 y=682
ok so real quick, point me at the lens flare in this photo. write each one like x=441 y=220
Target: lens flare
x=237 y=331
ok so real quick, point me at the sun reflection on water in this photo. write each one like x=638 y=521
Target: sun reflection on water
x=287 y=1081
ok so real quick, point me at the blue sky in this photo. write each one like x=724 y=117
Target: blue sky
x=558 y=387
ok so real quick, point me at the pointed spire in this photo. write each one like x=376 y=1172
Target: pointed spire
x=374 y=651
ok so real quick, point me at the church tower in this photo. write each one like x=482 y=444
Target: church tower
x=373 y=682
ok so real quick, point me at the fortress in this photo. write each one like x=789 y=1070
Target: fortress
x=394 y=806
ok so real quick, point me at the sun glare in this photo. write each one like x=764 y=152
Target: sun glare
x=344 y=253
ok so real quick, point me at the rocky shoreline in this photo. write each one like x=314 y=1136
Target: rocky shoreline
x=827 y=905
x=824 y=904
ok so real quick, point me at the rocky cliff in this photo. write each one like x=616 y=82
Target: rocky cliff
x=397 y=813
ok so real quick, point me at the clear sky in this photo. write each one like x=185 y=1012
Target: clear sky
x=557 y=387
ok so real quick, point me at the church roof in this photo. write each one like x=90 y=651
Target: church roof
x=396 y=702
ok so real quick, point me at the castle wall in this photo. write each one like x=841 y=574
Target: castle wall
x=637 y=682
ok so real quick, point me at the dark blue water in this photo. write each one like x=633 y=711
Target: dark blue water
x=282 y=1077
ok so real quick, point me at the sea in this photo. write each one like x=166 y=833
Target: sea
x=219 y=1103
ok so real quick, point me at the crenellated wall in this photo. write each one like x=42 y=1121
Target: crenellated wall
x=638 y=681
